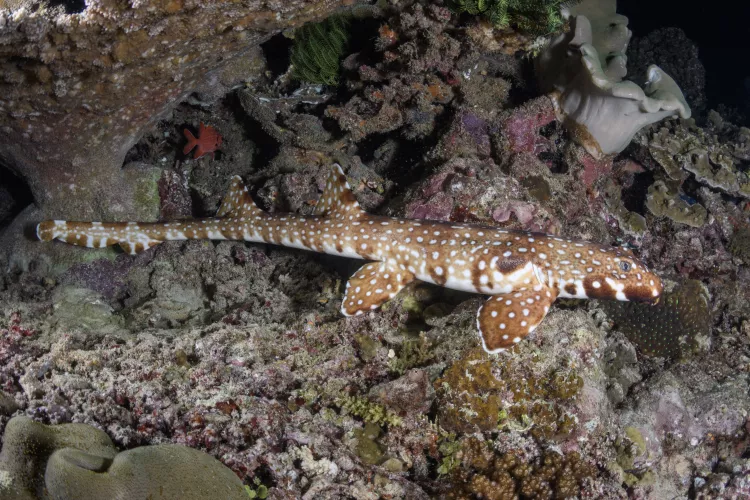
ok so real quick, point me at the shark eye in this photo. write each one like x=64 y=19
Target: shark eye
x=625 y=265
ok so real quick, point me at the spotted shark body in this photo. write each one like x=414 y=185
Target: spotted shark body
x=523 y=272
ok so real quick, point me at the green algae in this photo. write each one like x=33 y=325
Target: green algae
x=258 y=490
x=369 y=411
x=368 y=347
x=318 y=49
x=413 y=353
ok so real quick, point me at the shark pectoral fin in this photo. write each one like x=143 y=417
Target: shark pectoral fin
x=238 y=202
x=134 y=247
x=337 y=198
x=506 y=319
x=371 y=286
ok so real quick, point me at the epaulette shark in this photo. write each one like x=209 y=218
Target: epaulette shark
x=523 y=272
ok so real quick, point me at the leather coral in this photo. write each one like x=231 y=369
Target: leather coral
x=584 y=68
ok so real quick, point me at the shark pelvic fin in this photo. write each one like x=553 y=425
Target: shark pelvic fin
x=372 y=285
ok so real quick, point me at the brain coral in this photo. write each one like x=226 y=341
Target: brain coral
x=68 y=461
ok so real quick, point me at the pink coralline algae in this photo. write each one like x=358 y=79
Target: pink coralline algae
x=468 y=135
x=521 y=126
x=11 y=337
x=524 y=213
x=594 y=168
x=439 y=206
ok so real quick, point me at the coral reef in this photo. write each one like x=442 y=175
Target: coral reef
x=239 y=350
x=683 y=148
x=410 y=86
x=471 y=393
x=80 y=89
x=663 y=202
x=507 y=476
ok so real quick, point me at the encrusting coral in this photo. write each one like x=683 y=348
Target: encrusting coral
x=665 y=202
x=672 y=328
x=685 y=157
x=473 y=395
x=715 y=159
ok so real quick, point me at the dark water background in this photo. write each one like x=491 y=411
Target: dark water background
x=721 y=30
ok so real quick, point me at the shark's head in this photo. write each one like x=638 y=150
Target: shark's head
x=618 y=274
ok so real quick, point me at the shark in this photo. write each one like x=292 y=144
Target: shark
x=522 y=272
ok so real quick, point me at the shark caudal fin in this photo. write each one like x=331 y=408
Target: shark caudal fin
x=337 y=199
x=238 y=202
x=130 y=236
x=49 y=229
x=506 y=319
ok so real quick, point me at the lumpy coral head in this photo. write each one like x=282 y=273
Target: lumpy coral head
x=602 y=111
x=163 y=471
x=72 y=461
x=27 y=446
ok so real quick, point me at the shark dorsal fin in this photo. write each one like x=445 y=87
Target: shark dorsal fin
x=337 y=199
x=238 y=202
